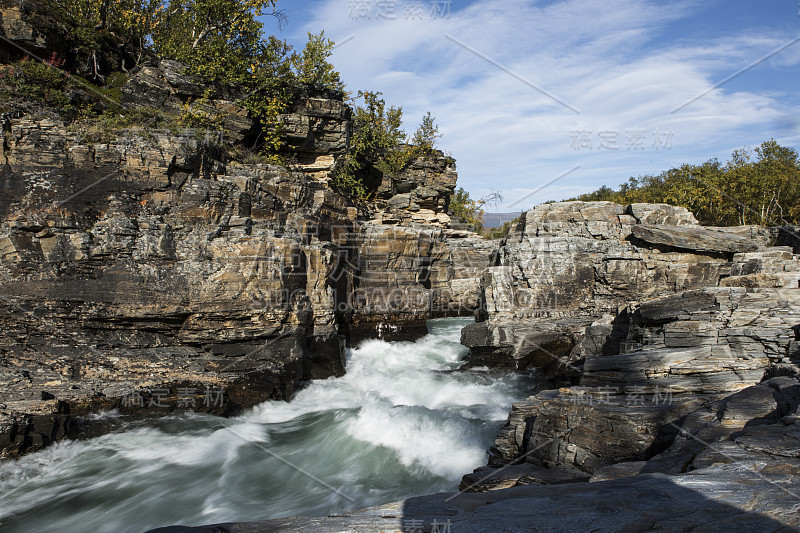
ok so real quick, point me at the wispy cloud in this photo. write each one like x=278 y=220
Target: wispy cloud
x=614 y=61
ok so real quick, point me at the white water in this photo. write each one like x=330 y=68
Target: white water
x=400 y=423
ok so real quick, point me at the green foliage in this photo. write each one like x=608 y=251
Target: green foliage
x=423 y=144
x=29 y=82
x=469 y=211
x=426 y=135
x=129 y=18
x=218 y=39
x=268 y=71
x=312 y=65
x=139 y=117
x=200 y=114
x=275 y=73
x=380 y=143
x=377 y=131
x=94 y=25
x=760 y=186
x=466 y=210
x=603 y=194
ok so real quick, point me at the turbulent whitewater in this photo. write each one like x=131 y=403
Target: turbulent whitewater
x=403 y=421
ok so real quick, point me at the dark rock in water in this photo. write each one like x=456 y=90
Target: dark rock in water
x=491 y=478
x=549 y=345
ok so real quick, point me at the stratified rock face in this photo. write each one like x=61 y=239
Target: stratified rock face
x=420 y=194
x=589 y=260
x=407 y=274
x=150 y=261
x=690 y=362
x=576 y=256
x=710 y=341
x=656 y=325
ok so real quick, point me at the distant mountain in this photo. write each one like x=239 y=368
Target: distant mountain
x=496 y=220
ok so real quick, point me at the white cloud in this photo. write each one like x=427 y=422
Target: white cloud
x=610 y=60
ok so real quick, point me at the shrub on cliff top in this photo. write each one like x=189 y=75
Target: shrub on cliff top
x=426 y=135
x=376 y=131
x=379 y=143
x=469 y=211
x=760 y=186
x=30 y=83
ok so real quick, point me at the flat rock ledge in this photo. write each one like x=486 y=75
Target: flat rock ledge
x=747 y=495
x=693 y=238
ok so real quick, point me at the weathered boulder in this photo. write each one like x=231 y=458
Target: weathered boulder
x=550 y=345
x=693 y=238
x=661 y=214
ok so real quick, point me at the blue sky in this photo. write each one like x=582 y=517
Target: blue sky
x=543 y=100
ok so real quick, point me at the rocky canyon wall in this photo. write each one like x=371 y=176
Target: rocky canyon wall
x=146 y=270
x=666 y=338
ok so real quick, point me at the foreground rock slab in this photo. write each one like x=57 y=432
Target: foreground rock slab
x=741 y=496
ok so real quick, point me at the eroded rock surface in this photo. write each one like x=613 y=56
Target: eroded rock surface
x=678 y=357
x=585 y=262
x=151 y=263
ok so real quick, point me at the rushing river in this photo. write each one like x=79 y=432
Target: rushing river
x=400 y=423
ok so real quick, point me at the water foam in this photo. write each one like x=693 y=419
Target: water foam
x=402 y=421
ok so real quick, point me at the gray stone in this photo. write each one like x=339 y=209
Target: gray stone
x=693 y=238
x=741 y=496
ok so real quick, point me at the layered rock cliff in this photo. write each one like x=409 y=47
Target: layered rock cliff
x=672 y=343
x=158 y=270
x=677 y=352
x=147 y=269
